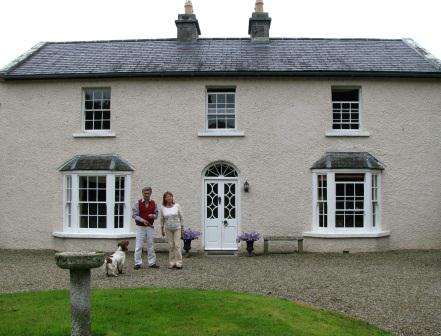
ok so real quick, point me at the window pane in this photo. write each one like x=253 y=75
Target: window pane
x=359 y=221
x=102 y=222
x=221 y=123
x=211 y=122
x=339 y=221
x=97 y=104
x=340 y=94
x=212 y=99
x=106 y=94
x=93 y=222
x=231 y=123
x=83 y=222
x=101 y=195
x=84 y=209
x=88 y=125
x=92 y=195
x=93 y=209
x=349 y=220
x=88 y=105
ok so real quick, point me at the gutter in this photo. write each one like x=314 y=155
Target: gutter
x=434 y=74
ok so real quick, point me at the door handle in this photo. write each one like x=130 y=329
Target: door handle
x=225 y=223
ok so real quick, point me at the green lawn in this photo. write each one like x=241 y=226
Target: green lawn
x=187 y=312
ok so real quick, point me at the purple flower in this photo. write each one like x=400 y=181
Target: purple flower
x=190 y=235
x=249 y=236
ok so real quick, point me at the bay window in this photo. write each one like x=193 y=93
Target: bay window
x=346 y=195
x=96 y=195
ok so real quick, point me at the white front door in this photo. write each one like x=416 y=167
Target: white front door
x=221 y=213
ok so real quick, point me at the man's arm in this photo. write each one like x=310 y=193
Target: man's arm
x=135 y=213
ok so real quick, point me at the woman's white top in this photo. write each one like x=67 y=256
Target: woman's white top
x=171 y=218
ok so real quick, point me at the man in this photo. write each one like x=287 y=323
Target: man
x=145 y=212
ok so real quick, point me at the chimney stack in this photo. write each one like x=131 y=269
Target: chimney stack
x=188 y=25
x=259 y=25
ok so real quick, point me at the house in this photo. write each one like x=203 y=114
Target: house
x=338 y=139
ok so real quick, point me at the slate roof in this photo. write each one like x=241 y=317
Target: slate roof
x=96 y=162
x=348 y=160
x=225 y=57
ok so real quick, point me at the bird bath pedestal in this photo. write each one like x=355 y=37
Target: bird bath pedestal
x=79 y=264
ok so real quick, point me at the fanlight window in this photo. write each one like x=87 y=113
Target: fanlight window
x=221 y=170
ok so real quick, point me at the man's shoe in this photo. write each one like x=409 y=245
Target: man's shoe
x=137 y=267
x=154 y=266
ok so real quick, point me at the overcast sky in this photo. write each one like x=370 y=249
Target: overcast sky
x=25 y=23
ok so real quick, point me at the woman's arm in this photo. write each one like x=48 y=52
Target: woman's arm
x=181 y=218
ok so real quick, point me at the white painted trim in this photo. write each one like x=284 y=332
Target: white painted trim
x=315 y=221
x=94 y=135
x=315 y=234
x=367 y=201
x=331 y=230
x=233 y=133
x=331 y=199
x=93 y=235
x=238 y=199
x=110 y=196
x=344 y=133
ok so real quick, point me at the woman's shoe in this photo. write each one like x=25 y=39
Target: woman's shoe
x=171 y=266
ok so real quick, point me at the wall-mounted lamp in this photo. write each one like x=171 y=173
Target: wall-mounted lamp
x=246 y=187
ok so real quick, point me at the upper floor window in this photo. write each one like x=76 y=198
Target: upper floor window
x=345 y=108
x=221 y=109
x=97 y=109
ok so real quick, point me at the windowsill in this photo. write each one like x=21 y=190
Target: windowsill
x=351 y=133
x=94 y=135
x=221 y=134
x=315 y=234
x=94 y=235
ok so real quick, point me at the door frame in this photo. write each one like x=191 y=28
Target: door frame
x=238 y=201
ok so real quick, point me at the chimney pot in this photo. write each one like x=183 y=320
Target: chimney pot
x=188 y=7
x=259 y=6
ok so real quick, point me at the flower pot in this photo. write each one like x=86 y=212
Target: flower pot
x=187 y=245
x=250 y=247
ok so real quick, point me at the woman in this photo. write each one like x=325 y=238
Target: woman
x=172 y=227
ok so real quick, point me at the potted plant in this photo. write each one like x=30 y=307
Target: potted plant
x=249 y=238
x=187 y=237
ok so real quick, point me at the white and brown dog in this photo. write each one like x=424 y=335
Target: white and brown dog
x=116 y=261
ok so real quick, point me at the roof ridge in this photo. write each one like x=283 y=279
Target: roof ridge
x=228 y=39
x=435 y=62
x=22 y=58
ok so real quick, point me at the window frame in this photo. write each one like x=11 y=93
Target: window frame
x=360 y=132
x=110 y=203
x=92 y=132
x=220 y=90
x=368 y=227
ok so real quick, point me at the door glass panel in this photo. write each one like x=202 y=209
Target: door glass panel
x=229 y=200
x=212 y=201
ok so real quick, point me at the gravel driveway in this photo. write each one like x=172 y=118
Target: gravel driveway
x=398 y=291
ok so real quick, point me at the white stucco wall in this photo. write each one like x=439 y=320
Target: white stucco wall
x=156 y=124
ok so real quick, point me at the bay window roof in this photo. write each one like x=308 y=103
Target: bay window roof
x=348 y=160
x=107 y=162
